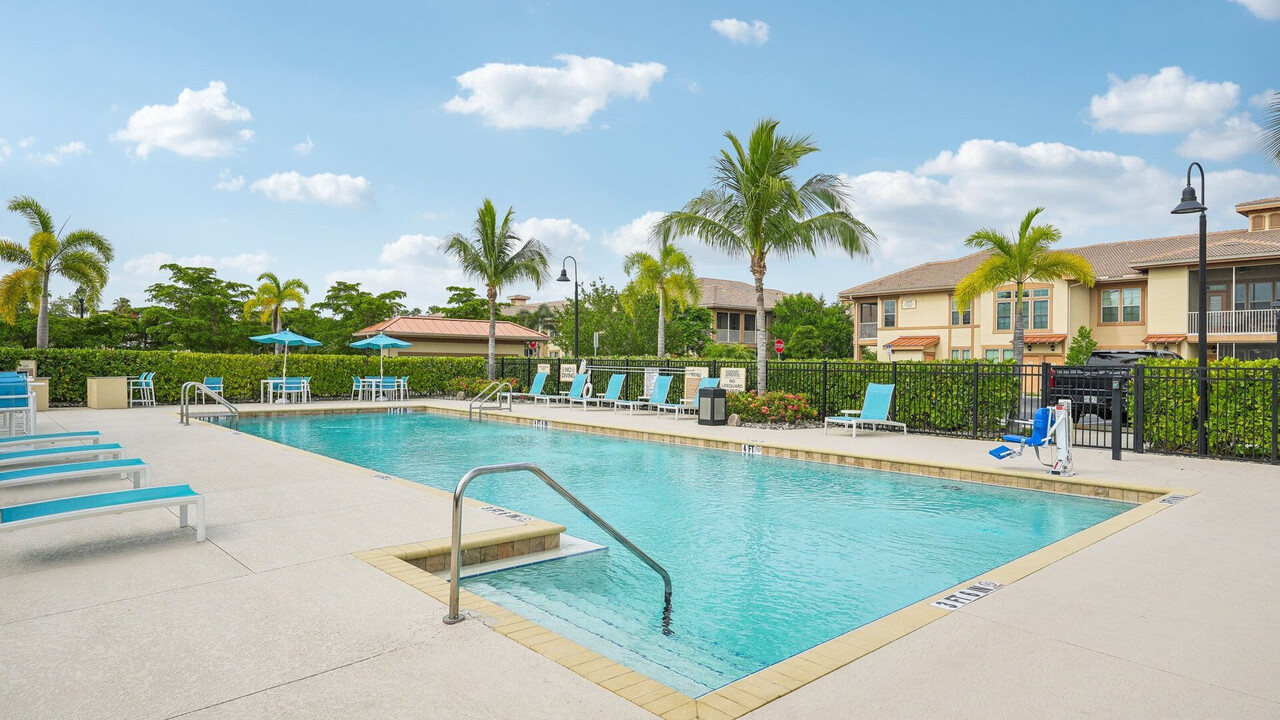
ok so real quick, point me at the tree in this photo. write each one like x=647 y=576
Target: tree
x=668 y=276
x=463 y=302
x=348 y=308
x=81 y=256
x=831 y=324
x=804 y=343
x=1271 y=130
x=754 y=208
x=271 y=297
x=197 y=310
x=1017 y=261
x=496 y=256
x=1082 y=346
x=122 y=306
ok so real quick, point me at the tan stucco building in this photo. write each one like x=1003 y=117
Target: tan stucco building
x=455 y=337
x=1145 y=297
x=733 y=307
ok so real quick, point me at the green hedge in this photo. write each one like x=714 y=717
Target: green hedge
x=330 y=375
x=1240 y=401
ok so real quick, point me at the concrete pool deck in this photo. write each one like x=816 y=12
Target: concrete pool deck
x=126 y=616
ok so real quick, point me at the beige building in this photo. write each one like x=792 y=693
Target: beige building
x=456 y=337
x=733 y=305
x=520 y=304
x=1145 y=297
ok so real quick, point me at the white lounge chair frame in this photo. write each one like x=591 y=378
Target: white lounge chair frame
x=182 y=503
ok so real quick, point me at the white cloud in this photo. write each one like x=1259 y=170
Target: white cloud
x=1092 y=196
x=755 y=32
x=562 y=235
x=1264 y=99
x=304 y=147
x=323 y=188
x=5 y=150
x=1167 y=102
x=243 y=266
x=411 y=250
x=27 y=141
x=635 y=235
x=228 y=183
x=59 y=153
x=558 y=98
x=1264 y=9
x=202 y=124
x=1235 y=136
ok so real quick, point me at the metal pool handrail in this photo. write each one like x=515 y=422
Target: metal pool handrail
x=184 y=405
x=455 y=548
x=493 y=388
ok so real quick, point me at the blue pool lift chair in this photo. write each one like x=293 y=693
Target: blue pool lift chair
x=1040 y=436
x=874 y=412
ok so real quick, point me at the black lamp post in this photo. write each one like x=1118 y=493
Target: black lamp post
x=1276 y=306
x=80 y=302
x=1188 y=206
x=564 y=277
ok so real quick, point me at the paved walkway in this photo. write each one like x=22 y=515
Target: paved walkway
x=126 y=616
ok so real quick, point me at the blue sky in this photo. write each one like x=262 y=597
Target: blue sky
x=327 y=142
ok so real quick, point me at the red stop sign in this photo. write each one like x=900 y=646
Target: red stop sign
x=778 y=345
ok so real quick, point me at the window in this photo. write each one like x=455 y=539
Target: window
x=890 y=313
x=1006 y=354
x=992 y=355
x=1257 y=222
x=959 y=318
x=749 y=322
x=1040 y=314
x=961 y=355
x=1122 y=305
x=1273 y=221
x=1004 y=315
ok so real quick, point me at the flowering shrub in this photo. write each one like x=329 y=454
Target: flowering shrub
x=470 y=386
x=772 y=407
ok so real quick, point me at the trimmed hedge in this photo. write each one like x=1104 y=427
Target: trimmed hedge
x=68 y=370
x=1240 y=402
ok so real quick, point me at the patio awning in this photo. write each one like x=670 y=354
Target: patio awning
x=912 y=342
x=1043 y=339
x=1162 y=339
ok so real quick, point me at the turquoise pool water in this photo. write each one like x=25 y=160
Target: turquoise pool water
x=768 y=557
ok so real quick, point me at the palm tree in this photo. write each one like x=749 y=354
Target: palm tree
x=1271 y=130
x=81 y=256
x=1018 y=261
x=496 y=256
x=755 y=208
x=272 y=295
x=669 y=276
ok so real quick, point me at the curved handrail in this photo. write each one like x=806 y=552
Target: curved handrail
x=493 y=388
x=184 y=404
x=455 y=547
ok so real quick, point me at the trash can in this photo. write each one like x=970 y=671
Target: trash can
x=713 y=406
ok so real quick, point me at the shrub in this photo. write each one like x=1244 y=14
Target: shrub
x=772 y=407
x=1081 y=347
x=728 y=351
x=1240 y=396
x=471 y=386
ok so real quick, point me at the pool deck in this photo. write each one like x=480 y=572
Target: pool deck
x=127 y=616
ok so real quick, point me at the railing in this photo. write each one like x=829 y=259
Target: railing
x=492 y=390
x=193 y=389
x=726 y=336
x=455 y=548
x=1234 y=322
x=868 y=329
x=749 y=337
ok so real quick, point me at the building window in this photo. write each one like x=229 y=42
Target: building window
x=1039 y=314
x=1004 y=310
x=1257 y=222
x=961 y=318
x=961 y=355
x=1273 y=221
x=992 y=355
x=890 y=313
x=1122 y=305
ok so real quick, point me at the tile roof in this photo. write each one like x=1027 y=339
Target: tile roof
x=1255 y=204
x=733 y=294
x=1042 y=339
x=551 y=305
x=1110 y=260
x=1164 y=338
x=912 y=341
x=442 y=327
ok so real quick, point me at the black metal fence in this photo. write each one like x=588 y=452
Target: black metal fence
x=1128 y=409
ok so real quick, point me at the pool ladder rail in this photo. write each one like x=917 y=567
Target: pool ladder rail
x=192 y=390
x=455 y=548
x=492 y=391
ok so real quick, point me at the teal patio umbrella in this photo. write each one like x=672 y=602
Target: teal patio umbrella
x=382 y=342
x=286 y=338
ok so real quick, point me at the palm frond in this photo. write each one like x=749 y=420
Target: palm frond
x=12 y=252
x=993 y=272
x=16 y=287
x=36 y=216
x=1271 y=130
x=89 y=240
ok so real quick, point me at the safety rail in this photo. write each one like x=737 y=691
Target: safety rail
x=194 y=389
x=455 y=548
x=475 y=410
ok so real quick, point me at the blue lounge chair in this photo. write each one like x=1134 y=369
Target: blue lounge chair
x=132 y=468
x=575 y=390
x=535 y=388
x=99 y=451
x=661 y=386
x=50 y=439
x=612 y=393
x=874 y=412
x=16 y=517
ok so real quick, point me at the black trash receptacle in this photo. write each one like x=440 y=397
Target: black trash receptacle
x=713 y=406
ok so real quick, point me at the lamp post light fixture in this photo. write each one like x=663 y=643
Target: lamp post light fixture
x=564 y=277
x=1188 y=206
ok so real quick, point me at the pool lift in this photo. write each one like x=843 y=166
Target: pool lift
x=1049 y=426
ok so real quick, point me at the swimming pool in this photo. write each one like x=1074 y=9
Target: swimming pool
x=768 y=557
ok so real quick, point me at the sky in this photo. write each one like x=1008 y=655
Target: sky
x=329 y=141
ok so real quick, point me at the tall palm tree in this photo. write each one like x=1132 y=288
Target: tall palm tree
x=81 y=256
x=1016 y=261
x=754 y=208
x=669 y=276
x=1271 y=130
x=496 y=256
x=269 y=299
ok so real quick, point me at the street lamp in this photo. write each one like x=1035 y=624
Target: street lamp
x=564 y=277
x=1188 y=206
